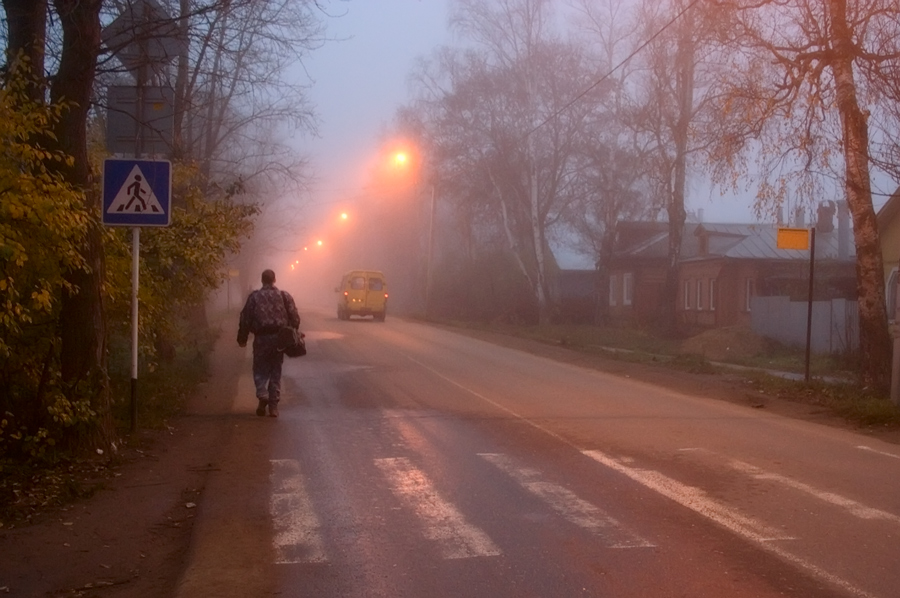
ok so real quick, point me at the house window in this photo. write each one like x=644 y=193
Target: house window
x=627 y=288
x=699 y=294
x=891 y=295
x=712 y=294
x=749 y=291
x=687 y=294
x=613 y=290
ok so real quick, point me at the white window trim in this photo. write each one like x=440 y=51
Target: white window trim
x=627 y=288
x=890 y=293
x=712 y=294
x=699 y=294
x=748 y=293
x=687 y=295
x=613 y=290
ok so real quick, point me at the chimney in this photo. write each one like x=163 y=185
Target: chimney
x=825 y=216
x=799 y=217
x=779 y=216
x=843 y=219
x=700 y=215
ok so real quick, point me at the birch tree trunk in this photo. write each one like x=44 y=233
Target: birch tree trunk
x=874 y=338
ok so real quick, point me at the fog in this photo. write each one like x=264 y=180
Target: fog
x=352 y=217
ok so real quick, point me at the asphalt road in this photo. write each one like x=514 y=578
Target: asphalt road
x=412 y=461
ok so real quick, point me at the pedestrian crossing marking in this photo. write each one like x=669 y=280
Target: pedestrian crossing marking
x=297 y=529
x=569 y=505
x=299 y=534
x=135 y=196
x=443 y=523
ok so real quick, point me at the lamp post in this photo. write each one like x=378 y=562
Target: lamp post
x=429 y=258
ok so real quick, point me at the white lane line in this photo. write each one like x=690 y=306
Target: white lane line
x=694 y=499
x=443 y=523
x=882 y=453
x=569 y=505
x=751 y=530
x=854 y=508
x=297 y=537
x=765 y=545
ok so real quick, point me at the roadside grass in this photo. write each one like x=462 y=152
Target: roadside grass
x=163 y=387
x=832 y=383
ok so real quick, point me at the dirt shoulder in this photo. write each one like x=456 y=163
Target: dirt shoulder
x=130 y=538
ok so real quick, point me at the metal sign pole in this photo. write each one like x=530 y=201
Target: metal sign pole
x=135 y=273
x=809 y=307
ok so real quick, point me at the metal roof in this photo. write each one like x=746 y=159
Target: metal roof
x=737 y=241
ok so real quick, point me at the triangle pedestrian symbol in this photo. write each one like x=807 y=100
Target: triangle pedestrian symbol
x=135 y=196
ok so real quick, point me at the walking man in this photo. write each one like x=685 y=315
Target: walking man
x=267 y=311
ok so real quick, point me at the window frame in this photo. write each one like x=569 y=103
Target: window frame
x=749 y=292
x=627 y=288
x=613 y=290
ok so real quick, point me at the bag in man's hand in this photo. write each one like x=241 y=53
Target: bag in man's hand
x=290 y=340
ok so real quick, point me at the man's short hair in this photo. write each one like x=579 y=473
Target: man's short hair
x=268 y=277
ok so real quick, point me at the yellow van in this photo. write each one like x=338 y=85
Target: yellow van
x=362 y=293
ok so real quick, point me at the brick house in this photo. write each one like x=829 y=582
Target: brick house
x=888 y=219
x=721 y=267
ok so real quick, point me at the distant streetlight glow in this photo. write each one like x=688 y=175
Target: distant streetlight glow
x=319 y=243
x=400 y=158
x=344 y=216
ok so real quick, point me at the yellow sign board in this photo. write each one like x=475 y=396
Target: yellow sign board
x=793 y=238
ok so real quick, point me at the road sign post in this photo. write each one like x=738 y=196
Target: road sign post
x=136 y=193
x=802 y=239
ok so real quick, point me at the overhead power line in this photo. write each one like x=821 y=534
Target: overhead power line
x=622 y=63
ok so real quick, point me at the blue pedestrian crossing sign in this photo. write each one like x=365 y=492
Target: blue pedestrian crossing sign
x=137 y=192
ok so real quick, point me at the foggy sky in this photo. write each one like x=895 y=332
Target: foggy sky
x=360 y=81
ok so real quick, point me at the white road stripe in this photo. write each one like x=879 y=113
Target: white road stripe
x=857 y=509
x=569 y=505
x=767 y=546
x=297 y=537
x=694 y=499
x=863 y=447
x=443 y=523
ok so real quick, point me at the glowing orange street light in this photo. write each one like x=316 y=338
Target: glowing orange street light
x=400 y=158
x=319 y=243
x=344 y=216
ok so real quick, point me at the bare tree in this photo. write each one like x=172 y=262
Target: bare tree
x=240 y=94
x=613 y=175
x=671 y=89
x=802 y=100
x=500 y=128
